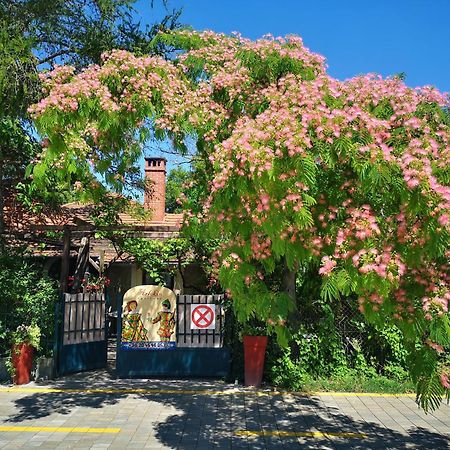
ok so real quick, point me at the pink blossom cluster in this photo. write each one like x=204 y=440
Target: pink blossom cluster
x=404 y=307
x=434 y=283
x=374 y=301
x=445 y=379
x=261 y=247
x=387 y=264
x=329 y=171
x=439 y=348
x=328 y=264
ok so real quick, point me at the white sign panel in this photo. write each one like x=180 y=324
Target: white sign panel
x=203 y=317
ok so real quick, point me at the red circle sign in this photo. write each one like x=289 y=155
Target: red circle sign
x=202 y=316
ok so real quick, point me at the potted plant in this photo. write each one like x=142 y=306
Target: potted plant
x=24 y=341
x=255 y=343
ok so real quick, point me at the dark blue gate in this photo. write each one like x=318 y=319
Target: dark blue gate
x=198 y=353
x=82 y=342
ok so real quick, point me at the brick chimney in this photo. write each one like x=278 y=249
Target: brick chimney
x=155 y=195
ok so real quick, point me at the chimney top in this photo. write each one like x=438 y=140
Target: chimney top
x=155 y=195
x=155 y=163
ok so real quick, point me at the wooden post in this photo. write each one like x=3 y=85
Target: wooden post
x=82 y=264
x=65 y=259
x=102 y=262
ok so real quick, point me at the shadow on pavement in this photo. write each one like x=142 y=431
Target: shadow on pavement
x=39 y=405
x=208 y=420
x=212 y=422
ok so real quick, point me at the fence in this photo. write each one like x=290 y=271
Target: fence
x=187 y=337
x=84 y=318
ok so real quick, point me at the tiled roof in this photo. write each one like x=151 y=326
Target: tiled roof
x=20 y=222
x=72 y=214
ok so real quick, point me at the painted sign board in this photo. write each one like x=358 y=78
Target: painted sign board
x=148 y=318
x=203 y=316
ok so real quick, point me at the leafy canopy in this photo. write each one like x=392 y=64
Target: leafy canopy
x=35 y=34
x=301 y=169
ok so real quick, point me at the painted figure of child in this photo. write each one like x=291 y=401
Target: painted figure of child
x=133 y=329
x=166 y=320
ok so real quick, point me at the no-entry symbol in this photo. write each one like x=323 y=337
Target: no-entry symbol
x=203 y=317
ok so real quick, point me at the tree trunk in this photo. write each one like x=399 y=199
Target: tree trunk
x=288 y=281
x=65 y=259
x=288 y=286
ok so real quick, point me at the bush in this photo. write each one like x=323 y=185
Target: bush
x=324 y=354
x=28 y=298
x=332 y=347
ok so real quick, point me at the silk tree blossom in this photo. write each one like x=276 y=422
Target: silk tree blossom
x=328 y=265
x=302 y=169
x=445 y=379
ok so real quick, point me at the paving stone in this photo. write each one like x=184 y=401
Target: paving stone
x=206 y=421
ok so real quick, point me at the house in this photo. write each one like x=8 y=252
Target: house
x=67 y=243
x=43 y=234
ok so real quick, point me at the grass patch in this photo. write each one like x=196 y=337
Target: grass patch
x=351 y=383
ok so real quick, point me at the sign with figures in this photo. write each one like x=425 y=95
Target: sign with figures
x=149 y=318
x=203 y=317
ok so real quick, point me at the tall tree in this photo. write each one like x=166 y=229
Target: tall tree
x=38 y=34
x=19 y=87
x=301 y=169
x=79 y=31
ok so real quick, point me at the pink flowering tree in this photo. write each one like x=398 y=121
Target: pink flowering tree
x=301 y=169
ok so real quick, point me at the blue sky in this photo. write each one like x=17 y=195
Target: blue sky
x=355 y=36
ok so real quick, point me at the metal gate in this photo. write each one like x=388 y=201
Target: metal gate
x=198 y=353
x=82 y=342
x=187 y=338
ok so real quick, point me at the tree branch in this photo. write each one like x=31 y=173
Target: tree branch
x=53 y=56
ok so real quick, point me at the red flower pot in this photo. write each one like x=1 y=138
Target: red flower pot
x=22 y=360
x=254 y=355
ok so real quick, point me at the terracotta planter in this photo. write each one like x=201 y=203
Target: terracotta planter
x=254 y=355
x=22 y=360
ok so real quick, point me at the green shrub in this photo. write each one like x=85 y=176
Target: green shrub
x=287 y=373
x=30 y=335
x=321 y=357
x=28 y=298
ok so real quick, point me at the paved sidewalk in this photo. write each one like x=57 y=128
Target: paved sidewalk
x=91 y=411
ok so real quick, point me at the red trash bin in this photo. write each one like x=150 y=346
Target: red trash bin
x=22 y=360
x=254 y=355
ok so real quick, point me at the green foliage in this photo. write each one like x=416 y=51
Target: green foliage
x=158 y=257
x=17 y=148
x=288 y=373
x=177 y=189
x=79 y=31
x=19 y=83
x=430 y=391
x=28 y=299
x=24 y=334
x=308 y=364
x=335 y=348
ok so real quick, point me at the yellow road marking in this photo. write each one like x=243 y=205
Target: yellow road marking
x=358 y=394
x=314 y=434
x=256 y=393
x=60 y=429
x=117 y=391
